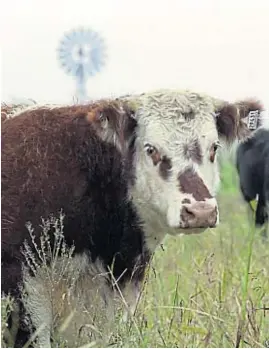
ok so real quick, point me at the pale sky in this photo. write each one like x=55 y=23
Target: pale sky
x=216 y=46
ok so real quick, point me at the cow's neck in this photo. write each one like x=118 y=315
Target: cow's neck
x=151 y=220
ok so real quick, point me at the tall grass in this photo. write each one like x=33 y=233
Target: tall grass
x=208 y=290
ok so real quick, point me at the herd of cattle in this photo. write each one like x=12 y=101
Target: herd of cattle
x=124 y=172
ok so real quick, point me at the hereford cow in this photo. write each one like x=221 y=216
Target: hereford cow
x=118 y=202
x=252 y=162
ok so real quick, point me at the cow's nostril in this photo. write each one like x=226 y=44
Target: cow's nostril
x=188 y=214
x=186 y=201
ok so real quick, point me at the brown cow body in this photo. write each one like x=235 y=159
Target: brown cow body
x=46 y=169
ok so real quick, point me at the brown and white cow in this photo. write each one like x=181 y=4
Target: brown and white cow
x=122 y=185
x=175 y=160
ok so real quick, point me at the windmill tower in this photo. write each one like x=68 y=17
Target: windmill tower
x=82 y=54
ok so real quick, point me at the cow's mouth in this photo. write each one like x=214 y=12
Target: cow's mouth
x=192 y=231
x=187 y=231
x=184 y=226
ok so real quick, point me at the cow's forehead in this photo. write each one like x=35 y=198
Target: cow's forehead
x=170 y=118
x=173 y=103
x=169 y=135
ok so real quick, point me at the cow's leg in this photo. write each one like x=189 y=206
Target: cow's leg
x=10 y=333
x=260 y=212
x=131 y=294
x=37 y=302
x=41 y=321
x=23 y=333
x=251 y=212
x=265 y=232
x=24 y=326
x=261 y=219
x=249 y=194
x=17 y=331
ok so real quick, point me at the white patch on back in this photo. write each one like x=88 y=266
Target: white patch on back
x=17 y=109
x=80 y=303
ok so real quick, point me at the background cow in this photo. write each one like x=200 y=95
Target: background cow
x=252 y=162
x=117 y=206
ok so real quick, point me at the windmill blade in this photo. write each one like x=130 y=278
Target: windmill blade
x=78 y=61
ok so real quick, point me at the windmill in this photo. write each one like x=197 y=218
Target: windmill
x=82 y=54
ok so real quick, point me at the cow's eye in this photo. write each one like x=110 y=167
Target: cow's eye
x=150 y=149
x=153 y=153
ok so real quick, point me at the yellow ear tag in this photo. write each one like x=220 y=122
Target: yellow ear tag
x=253 y=203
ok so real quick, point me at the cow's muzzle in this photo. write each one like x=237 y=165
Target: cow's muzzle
x=199 y=214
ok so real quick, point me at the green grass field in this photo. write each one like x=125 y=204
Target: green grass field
x=208 y=290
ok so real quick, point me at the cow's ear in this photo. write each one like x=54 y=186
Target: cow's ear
x=94 y=114
x=232 y=119
x=131 y=125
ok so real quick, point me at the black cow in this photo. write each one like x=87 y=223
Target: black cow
x=252 y=162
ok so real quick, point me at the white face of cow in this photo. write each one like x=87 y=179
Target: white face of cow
x=176 y=163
